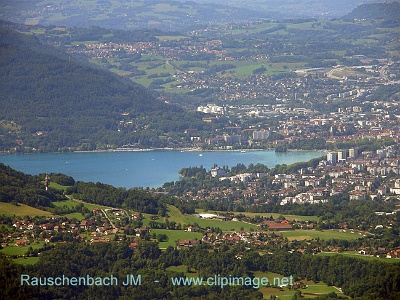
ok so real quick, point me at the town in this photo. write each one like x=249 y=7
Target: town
x=281 y=91
x=352 y=174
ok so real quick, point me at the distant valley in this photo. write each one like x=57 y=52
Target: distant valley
x=169 y=15
x=232 y=86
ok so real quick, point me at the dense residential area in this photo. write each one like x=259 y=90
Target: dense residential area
x=372 y=175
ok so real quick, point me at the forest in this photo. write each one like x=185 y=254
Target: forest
x=376 y=11
x=358 y=279
x=17 y=187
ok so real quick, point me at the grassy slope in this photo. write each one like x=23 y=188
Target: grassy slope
x=21 y=210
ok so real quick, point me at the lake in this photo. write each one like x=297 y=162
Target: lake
x=142 y=168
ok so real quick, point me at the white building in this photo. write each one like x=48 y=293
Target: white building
x=331 y=157
x=217 y=172
x=342 y=155
x=211 y=109
x=353 y=153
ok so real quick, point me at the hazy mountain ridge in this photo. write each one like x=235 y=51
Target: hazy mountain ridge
x=279 y=9
x=163 y=14
x=168 y=15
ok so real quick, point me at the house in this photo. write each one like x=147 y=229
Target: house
x=47 y=226
x=142 y=230
x=188 y=243
x=85 y=224
x=21 y=243
x=275 y=226
x=134 y=244
x=232 y=239
x=218 y=172
x=96 y=211
x=393 y=254
x=357 y=195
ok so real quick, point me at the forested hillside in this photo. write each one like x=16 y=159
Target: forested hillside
x=54 y=102
x=17 y=187
x=357 y=277
x=374 y=11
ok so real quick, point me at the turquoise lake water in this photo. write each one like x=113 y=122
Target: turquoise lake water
x=142 y=168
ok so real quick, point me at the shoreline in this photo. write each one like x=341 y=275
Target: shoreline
x=143 y=168
x=170 y=149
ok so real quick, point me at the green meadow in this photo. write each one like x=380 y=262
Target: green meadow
x=301 y=234
x=57 y=186
x=178 y=217
x=20 y=250
x=71 y=203
x=175 y=235
x=21 y=210
x=311 y=290
x=267 y=215
x=27 y=260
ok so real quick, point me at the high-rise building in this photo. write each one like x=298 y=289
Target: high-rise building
x=342 y=155
x=381 y=153
x=331 y=158
x=260 y=135
x=353 y=153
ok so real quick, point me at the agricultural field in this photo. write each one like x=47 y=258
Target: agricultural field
x=178 y=217
x=73 y=202
x=322 y=234
x=21 y=210
x=11 y=250
x=274 y=215
x=175 y=235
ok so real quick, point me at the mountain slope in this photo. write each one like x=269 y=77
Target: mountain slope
x=59 y=102
x=376 y=11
